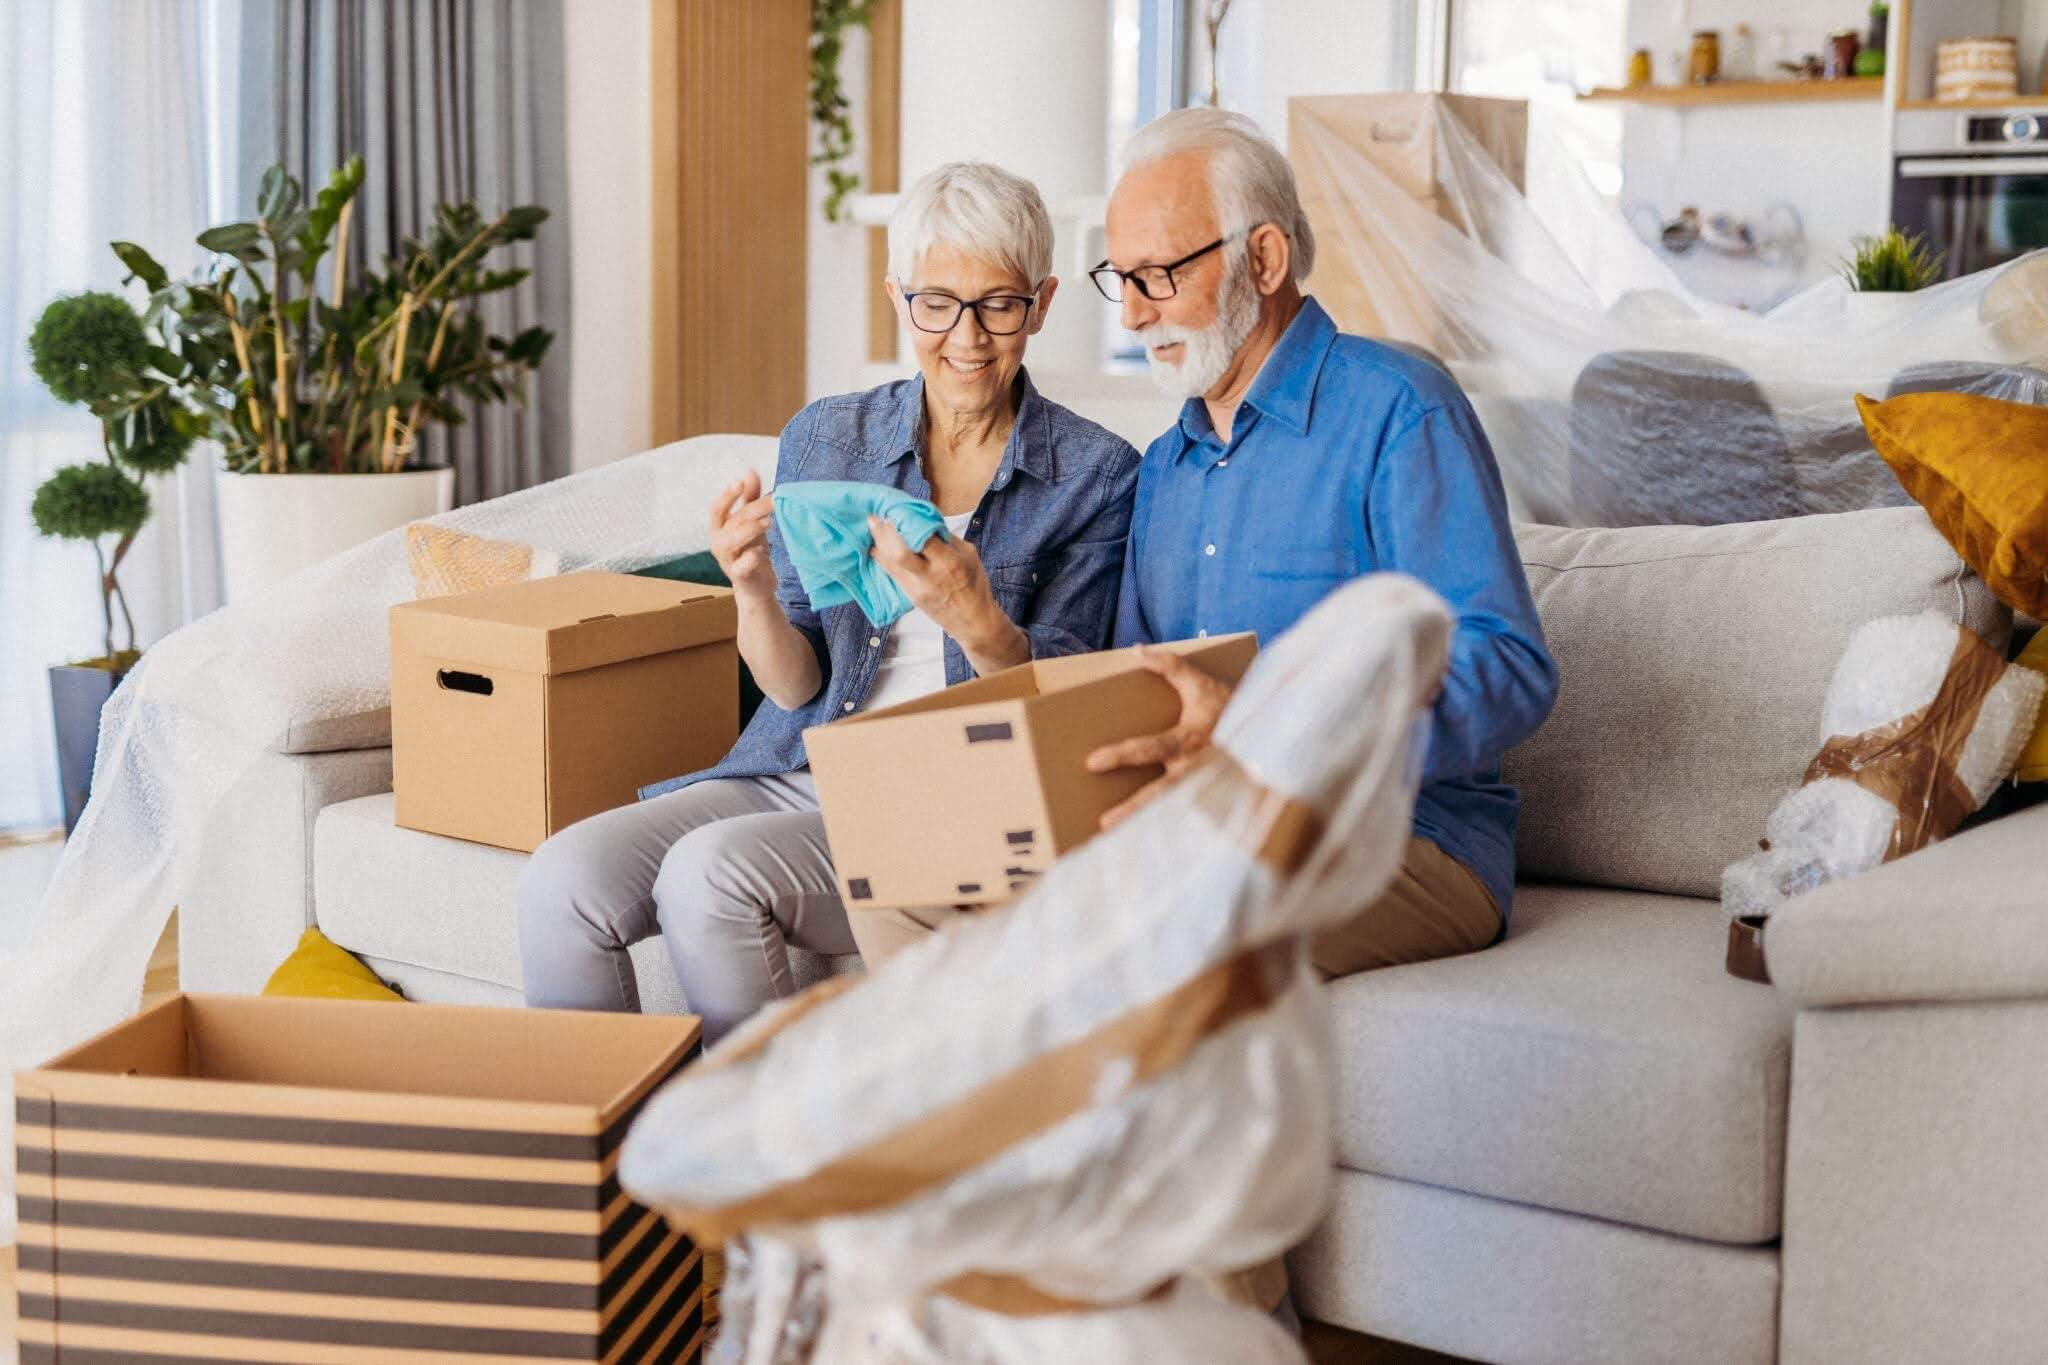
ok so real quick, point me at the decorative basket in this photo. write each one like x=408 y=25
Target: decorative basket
x=1968 y=69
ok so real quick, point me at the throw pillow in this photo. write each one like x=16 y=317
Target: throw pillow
x=2033 y=765
x=318 y=969
x=1980 y=468
x=445 y=561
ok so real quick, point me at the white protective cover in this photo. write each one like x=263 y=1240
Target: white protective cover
x=208 y=701
x=1611 y=394
x=1831 y=827
x=1213 y=1164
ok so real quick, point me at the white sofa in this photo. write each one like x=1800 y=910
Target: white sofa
x=1588 y=1143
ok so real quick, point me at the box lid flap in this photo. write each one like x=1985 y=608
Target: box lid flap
x=567 y=623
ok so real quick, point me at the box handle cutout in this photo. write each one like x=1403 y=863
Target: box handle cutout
x=455 y=680
x=983 y=734
x=601 y=616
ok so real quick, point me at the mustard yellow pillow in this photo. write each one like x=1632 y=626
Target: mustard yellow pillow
x=319 y=970
x=1980 y=468
x=2034 y=757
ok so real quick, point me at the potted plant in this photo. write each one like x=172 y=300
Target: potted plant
x=92 y=349
x=317 y=397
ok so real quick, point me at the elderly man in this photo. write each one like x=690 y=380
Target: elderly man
x=1303 y=458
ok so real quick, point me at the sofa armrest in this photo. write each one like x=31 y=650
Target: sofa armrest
x=1965 y=919
x=251 y=893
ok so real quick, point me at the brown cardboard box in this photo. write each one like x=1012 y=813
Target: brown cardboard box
x=518 y=710
x=1397 y=134
x=963 y=796
x=235 y=1177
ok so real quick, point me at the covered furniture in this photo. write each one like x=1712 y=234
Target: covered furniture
x=1587 y=1143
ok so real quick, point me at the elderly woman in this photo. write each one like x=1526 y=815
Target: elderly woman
x=730 y=866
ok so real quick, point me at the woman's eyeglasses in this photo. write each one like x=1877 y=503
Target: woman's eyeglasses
x=1000 y=315
x=1155 y=282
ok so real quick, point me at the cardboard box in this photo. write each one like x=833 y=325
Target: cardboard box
x=234 y=1177
x=518 y=710
x=963 y=796
x=1368 y=288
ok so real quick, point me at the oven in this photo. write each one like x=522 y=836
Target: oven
x=1973 y=182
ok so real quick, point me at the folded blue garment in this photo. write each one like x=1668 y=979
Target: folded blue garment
x=824 y=529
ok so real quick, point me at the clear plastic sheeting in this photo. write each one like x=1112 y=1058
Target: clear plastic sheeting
x=1043 y=1134
x=1612 y=396
x=208 y=703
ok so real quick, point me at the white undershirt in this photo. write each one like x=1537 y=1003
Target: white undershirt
x=913 y=650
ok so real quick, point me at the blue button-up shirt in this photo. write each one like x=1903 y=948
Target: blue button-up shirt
x=1050 y=530
x=1348 y=456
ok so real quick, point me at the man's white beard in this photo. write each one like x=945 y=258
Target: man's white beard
x=1206 y=351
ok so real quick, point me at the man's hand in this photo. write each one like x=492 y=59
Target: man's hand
x=740 y=518
x=946 y=582
x=1202 y=699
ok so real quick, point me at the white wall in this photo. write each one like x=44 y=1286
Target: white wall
x=609 y=71
x=1271 y=50
x=1828 y=160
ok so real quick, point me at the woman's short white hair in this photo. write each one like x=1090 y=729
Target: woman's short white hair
x=978 y=209
x=1249 y=177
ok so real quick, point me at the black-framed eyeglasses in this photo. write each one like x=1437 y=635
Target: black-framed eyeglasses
x=1155 y=282
x=1000 y=315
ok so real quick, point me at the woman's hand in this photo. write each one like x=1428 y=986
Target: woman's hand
x=740 y=518
x=1202 y=702
x=946 y=582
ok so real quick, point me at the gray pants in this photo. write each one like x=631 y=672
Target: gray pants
x=729 y=872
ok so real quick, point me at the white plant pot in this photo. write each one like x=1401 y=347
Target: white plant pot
x=273 y=525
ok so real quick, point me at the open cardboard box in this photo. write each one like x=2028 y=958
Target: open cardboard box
x=233 y=1177
x=518 y=710
x=963 y=796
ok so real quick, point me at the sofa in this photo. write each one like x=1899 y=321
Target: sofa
x=1589 y=1142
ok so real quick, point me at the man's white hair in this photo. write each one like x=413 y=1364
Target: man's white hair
x=975 y=208
x=1249 y=178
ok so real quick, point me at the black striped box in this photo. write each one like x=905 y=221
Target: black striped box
x=310 y=1181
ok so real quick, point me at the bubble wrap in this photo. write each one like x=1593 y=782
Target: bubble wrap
x=1612 y=395
x=208 y=701
x=1832 y=827
x=813 y=1117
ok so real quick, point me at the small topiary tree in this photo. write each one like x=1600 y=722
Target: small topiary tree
x=92 y=349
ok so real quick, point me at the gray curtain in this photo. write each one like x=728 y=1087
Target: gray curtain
x=446 y=100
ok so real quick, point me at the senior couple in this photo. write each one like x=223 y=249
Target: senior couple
x=1302 y=458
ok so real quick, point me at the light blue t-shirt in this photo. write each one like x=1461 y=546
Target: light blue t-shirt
x=824 y=528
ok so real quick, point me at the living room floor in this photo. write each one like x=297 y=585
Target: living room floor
x=26 y=867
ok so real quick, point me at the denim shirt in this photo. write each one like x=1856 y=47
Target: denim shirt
x=1050 y=530
x=1347 y=457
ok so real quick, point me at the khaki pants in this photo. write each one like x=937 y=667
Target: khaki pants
x=1436 y=907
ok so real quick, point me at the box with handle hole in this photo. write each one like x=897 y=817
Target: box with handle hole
x=521 y=709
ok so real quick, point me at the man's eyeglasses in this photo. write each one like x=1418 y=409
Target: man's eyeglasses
x=1000 y=315
x=1155 y=282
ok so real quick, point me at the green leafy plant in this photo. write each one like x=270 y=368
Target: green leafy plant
x=289 y=379
x=94 y=350
x=1892 y=263
x=830 y=107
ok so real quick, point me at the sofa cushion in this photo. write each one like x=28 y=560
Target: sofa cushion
x=402 y=899
x=1693 y=661
x=1599 y=1060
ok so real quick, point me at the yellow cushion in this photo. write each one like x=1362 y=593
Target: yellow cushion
x=1980 y=468
x=320 y=970
x=2034 y=758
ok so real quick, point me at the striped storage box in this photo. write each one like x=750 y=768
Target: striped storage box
x=309 y=1181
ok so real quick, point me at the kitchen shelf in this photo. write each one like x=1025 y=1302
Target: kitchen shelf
x=1744 y=92
x=2018 y=104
